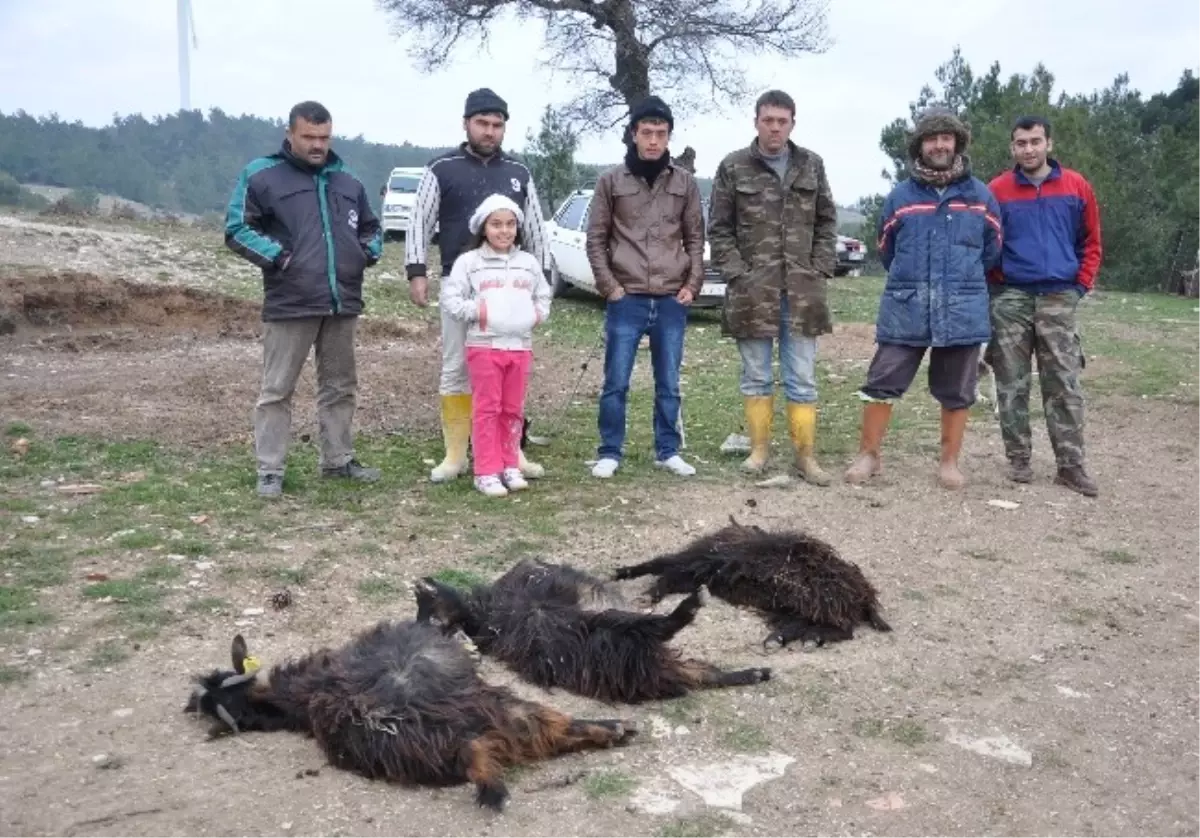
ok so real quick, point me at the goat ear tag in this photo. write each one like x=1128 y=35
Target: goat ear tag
x=251 y=664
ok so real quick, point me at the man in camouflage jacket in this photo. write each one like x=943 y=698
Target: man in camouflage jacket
x=773 y=233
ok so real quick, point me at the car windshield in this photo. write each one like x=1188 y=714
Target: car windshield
x=404 y=183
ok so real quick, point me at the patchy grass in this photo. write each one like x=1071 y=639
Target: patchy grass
x=106 y=654
x=903 y=732
x=379 y=589
x=1118 y=557
x=699 y=826
x=745 y=737
x=459 y=578
x=12 y=675
x=605 y=784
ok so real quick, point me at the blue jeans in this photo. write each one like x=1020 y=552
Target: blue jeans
x=625 y=322
x=797 y=357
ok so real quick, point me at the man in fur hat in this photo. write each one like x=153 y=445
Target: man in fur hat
x=939 y=234
x=645 y=244
x=452 y=187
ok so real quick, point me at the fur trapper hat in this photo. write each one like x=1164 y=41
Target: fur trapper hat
x=938 y=120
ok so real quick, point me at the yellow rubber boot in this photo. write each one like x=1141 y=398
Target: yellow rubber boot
x=760 y=411
x=456 y=433
x=802 y=422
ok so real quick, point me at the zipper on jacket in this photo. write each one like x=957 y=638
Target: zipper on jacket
x=327 y=229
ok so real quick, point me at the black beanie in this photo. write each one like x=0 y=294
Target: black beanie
x=484 y=100
x=651 y=108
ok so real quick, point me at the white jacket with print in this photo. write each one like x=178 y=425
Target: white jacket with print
x=502 y=295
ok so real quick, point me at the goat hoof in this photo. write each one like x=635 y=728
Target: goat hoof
x=764 y=674
x=492 y=796
x=773 y=643
x=703 y=595
x=626 y=730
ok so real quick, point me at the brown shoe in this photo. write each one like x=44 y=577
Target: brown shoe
x=1020 y=471
x=1077 y=480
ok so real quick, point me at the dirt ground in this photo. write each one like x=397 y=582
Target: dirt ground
x=1041 y=678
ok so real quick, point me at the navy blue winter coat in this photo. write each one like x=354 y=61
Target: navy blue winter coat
x=937 y=250
x=310 y=229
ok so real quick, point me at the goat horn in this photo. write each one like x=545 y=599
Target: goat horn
x=227 y=718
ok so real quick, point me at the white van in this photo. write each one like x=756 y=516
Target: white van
x=399 y=195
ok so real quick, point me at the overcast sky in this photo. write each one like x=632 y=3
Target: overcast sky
x=89 y=59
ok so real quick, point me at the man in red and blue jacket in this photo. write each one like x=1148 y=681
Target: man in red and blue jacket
x=1050 y=260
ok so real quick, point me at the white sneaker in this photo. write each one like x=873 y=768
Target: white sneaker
x=605 y=468
x=676 y=465
x=514 y=480
x=491 y=486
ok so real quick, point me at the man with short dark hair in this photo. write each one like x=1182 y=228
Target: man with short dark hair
x=451 y=189
x=1050 y=260
x=773 y=234
x=306 y=221
x=645 y=245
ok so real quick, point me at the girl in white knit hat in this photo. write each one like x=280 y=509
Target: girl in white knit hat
x=500 y=290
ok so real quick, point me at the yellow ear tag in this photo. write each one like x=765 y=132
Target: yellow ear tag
x=251 y=664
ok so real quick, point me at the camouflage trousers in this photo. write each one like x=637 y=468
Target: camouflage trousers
x=1025 y=325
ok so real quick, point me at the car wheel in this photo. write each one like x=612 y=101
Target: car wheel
x=558 y=283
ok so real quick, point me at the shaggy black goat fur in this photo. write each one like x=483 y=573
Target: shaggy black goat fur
x=400 y=702
x=799 y=584
x=544 y=621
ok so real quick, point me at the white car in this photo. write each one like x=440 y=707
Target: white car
x=399 y=196
x=851 y=253
x=569 y=266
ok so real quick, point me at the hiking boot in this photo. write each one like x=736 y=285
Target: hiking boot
x=270 y=485
x=1077 y=480
x=354 y=470
x=1020 y=471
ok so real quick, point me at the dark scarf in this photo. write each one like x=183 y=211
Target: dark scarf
x=940 y=178
x=649 y=170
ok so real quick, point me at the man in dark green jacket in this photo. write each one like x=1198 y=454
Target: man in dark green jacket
x=307 y=222
x=773 y=234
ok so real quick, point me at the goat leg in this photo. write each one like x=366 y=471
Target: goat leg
x=484 y=769
x=684 y=614
x=701 y=675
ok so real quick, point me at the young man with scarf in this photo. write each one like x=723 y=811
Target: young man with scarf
x=451 y=189
x=1051 y=257
x=939 y=234
x=645 y=244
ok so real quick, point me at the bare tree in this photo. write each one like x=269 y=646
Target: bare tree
x=690 y=52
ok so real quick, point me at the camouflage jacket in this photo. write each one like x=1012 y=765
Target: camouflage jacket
x=768 y=236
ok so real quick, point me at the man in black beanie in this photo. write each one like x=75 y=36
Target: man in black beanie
x=453 y=185
x=645 y=244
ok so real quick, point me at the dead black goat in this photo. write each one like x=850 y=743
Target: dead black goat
x=551 y=624
x=400 y=702
x=801 y=586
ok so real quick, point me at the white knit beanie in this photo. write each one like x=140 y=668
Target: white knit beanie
x=490 y=204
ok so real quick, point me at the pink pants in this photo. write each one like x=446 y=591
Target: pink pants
x=498 y=381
